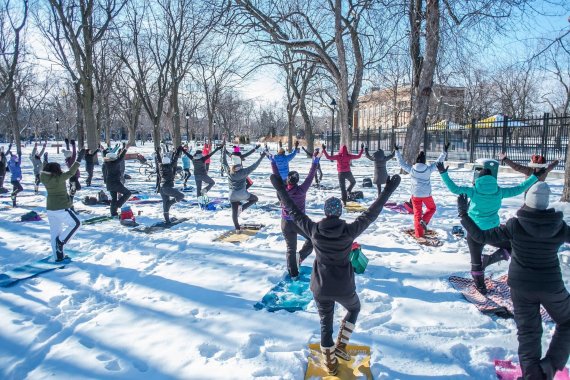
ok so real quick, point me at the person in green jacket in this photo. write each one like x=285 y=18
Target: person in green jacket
x=63 y=222
x=486 y=198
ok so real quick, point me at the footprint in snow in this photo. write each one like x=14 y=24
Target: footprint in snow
x=253 y=346
x=113 y=365
x=140 y=365
x=208 y=350
x=87 y=342
x=104 y=357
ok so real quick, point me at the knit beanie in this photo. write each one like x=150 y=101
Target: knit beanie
x=421 y=159
x=538 y=196
x=333 y=207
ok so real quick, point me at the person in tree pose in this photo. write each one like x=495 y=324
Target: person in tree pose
x=70 y=156
x=420 y=174
x=201 y=171
x=237 y=157
x=380 y=172
x=343 y=159
x=165 y=180
x=237 y=181
x=113 y=180
x=282 y=160
x=90 y=158
x=36 y=158
x=535 y=278
x=319 y=173
x=332 y=279
x=536 y=161
x=63 y=222
x=298 y=194
x=15 y=167
x=186 y=162
x=486 y=198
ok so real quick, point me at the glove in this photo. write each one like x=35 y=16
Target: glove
x=502 y=156
x=396 y=147
x=179 y=149
x=45 y=157
x=124 y=145
x=446 y=147
x=392 y=184
x=361 y=146
x=462 y=205
x=324 y=146
x=296 y=144
x=277 y=183
x=441 y=168
x=366 y=150
x=263 y=154
x=72 y=142
x=81 y=155
x=538 y=172
x=257 y=146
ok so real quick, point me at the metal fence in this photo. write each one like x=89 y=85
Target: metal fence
x=518 y=138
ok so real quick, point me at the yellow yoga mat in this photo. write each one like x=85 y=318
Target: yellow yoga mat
x=357 y=368
x=236 y=236
x=354 y=207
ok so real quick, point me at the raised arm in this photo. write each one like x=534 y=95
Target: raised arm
x=225 y=162
x=403 y=164
x=34 y=151
x=390 y=156
x=357 y=156
x=43 y=149
x=251 y=168
x=519 y=189
x=71 y=172
x=212 y=153
x=441 y=158
x=451 y=186
x=518 y=167
x=301 y=220
x=292 y=155
x=309 y=180
x=367 y=153
x=249 y=153
x=307 y=152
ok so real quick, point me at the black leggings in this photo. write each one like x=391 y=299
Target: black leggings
x=325 y=306
x=187 y=174
x=16 y=187
x=235 y=206
x=319 y=175
x=117 y=203
x=169 y=192
x=476 y=251
x=89 y=170
x=342 y=177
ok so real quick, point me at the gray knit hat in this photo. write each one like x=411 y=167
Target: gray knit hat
x=538 y=196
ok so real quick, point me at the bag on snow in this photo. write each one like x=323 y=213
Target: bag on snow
x=355 y=195
x=89 y=201
x=366 y=182
x=31 y=216
x=102 y=197
x=358 y=260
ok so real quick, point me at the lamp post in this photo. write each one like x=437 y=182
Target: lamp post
x=187 y=133
x=57 y=134
x=333 y=104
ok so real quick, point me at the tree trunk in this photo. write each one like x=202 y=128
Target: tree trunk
x=79 y=116
x=13 y=119
x=134 y=121
x=89 y=116
x=176 y=135
x=107 y=120
x=422 y=93
x=308 y=126
x=566 y=191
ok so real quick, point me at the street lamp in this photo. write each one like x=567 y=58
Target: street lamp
x=333 y=104
x=57 y=134
x=187 y=133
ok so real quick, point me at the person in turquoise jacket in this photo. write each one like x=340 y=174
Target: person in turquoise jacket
x=486 y=198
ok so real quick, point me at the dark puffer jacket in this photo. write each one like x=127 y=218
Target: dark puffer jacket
x=536 y=236
x=199 y=161
x=167 y=172
x=332 y=237
x=380 y=160
x=112 y=172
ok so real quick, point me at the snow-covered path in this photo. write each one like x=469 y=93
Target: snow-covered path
x=175 y=305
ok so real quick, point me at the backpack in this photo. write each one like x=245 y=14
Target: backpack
x=31 y=216
x=89 y=201
x=355 y=195
x=366 y=182
x=102 y=197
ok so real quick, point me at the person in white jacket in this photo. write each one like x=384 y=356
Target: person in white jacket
x=420 y=174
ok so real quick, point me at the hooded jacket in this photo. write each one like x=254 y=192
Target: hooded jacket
x=536 y=236
x=527 y=170
x=56 y=186
x=113 y=173
x=380 y=160
x=332 y=238
x=282 y=162
x=298 y=193
x=237 y=180
x=167 y=172
x=186 y=162
x=486 y=197
x=420 y=174
x=90 y=159
x=199 y=162
x=15 y=167
x=206 y=152
x=343 y=158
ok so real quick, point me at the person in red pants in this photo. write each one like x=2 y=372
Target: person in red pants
x=420 y=174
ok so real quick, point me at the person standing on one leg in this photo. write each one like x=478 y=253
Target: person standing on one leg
x=186 y=162
x=63 y=222
x=165 y=180
x=319 y=173
x=70 y=156
x=343 y=159
x=380 y=172
x=535 y=278
x=298 y=193
x=238 y=157
x=237 y=181
x=486 y=198
x=90 y=158
x=15 y=167
x=37 y=164
x=420 y=174
x=201 y=171
x=113 y=180
x=282 y=160
x=332 y=279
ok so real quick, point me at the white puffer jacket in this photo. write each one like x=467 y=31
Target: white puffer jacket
x=420 y=174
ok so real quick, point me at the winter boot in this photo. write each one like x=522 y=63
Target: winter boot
x=331 y=362
x=424 y=226
x=36 y=189
x=346 y=329
x=166 y=218
x=499 y=255
x=13 y=196
x=547 y=368
x=59 y=250
x=479 y=278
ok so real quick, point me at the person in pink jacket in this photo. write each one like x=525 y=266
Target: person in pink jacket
x=343 y=159
x=205 y=152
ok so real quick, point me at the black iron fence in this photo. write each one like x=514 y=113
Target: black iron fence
x=518 y=138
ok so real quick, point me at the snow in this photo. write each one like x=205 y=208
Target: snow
x=175 y=305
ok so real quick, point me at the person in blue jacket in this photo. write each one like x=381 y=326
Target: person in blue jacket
x=282 y=160
x=186 y=162
x=14 y=165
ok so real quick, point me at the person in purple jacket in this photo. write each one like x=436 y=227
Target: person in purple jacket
x=298 y=194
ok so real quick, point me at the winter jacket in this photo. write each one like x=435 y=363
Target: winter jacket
x=71 y=160
x=298 y=193
x=419 y=174
x=186 y=162
x=15 y=167
x=282 y=162
x=3 y=163
x=536 y=236
x=380 y=160
x=36 y=159
x=343 y=158
x=486 y=197
x=528 y=171
x=56 y=186
x=237 y=181
x=332 y=238
x=113 y=173
x=90 y=159
x=166 y=172
x=206 y=152
x=200 y=162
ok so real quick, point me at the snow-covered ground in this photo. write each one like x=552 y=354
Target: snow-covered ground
x=175 y=305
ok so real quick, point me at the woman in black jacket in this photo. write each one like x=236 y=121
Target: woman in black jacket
x=113 y=180
x=380 y=172
x=165 y=180
x=332 y=279
x=535 y=277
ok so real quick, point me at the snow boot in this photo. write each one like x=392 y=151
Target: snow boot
x=499 y=255
x=59 y=250
x=424 y=226
x=13 y=196
x=166 y=218
x=547 y=368
x=346 y=329
x=331 y=362
x=479 y=279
